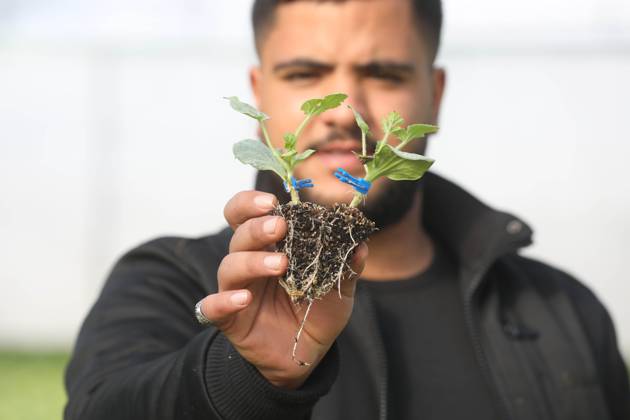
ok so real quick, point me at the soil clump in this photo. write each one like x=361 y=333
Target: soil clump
x=319 y=244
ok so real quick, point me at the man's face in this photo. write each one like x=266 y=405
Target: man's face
x=369 y=49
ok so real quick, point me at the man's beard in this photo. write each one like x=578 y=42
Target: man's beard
x=392 y=203
x=386 y=208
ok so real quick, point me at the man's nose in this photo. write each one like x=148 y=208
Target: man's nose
x=342 y=117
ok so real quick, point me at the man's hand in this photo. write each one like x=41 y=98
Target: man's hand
x=255 y=313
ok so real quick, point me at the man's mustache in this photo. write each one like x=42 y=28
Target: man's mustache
x=338 y=135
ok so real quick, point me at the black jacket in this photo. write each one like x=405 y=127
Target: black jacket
x=544 y=342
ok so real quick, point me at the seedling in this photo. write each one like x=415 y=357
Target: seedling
x=387 y=161
x=281 y=161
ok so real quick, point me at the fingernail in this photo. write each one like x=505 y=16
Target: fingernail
x=239 y=298
x=273 y=261
x=270 y=225
x=264 y=202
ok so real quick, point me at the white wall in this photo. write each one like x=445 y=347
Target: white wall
x=113 y=131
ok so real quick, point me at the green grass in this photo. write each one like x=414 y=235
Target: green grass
x=31 y=385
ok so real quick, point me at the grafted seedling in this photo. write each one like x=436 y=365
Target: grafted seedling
x=387 y=160
x=281 y=161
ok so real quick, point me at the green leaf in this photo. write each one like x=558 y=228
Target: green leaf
x=289 y=141
x=314 y=107
x=415 y=131
x=392 y=121
x=288 y=153
x=246 y=109
x=304 y=155
x=254 y=153
x=311 y=106
x=333 y=101
x=292 y=158
x=398 y=165
x=365 y=129
x=398 y=132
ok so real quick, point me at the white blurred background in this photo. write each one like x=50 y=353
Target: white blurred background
x=113 y=131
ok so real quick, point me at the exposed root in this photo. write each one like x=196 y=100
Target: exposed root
x=318 y=244
x=315 y=262
x=296 y=339
x=344 y=260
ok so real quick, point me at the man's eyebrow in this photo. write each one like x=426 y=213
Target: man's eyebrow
x=371 y=67
x=378 y=66
x=302 y=62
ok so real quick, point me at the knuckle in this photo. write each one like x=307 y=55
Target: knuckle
x=241 y=196
x=244 y=236
x=253 y=266
x=208 y=307
x=233 y=204
x=243 y=230
x=226 y=265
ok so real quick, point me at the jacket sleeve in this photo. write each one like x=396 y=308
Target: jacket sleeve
x=600 y=331
x=613 y=372
x=141 y=355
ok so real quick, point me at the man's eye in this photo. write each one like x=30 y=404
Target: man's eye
x=299 y=76
x=390 y=77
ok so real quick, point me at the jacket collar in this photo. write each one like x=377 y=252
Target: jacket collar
x=475 y=234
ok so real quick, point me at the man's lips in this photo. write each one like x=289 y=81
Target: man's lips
x=339 y=159
x=340 y=155
x=341 y=146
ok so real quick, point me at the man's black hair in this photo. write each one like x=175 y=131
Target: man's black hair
x=427 y=13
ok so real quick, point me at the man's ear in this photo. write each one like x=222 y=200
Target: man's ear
x=439 y=83
x=255 y=81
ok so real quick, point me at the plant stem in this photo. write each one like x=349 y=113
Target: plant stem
x=279 y=159
x=358 y=198
x=383 y=142
x=363 y=144
x=301 y=126
x=403 y=144
x=364 y=152
x=270 y=146
x=295 y=197
x=268 y=141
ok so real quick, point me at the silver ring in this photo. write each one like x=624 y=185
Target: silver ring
x=200 y=316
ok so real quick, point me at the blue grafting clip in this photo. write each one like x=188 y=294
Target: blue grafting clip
x=359 y=184
x=298 y=184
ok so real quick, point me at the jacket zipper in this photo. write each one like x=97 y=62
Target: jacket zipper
x=502 y=405
x=380 y=352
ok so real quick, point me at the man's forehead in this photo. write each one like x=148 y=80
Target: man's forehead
x=354 y=30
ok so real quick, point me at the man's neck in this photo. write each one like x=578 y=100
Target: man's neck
x=400 y=250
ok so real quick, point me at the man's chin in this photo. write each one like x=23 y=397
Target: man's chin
x=328 y=198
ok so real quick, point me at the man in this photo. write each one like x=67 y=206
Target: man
x=446 y=322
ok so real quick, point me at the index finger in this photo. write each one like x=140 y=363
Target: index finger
x=247 y=204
